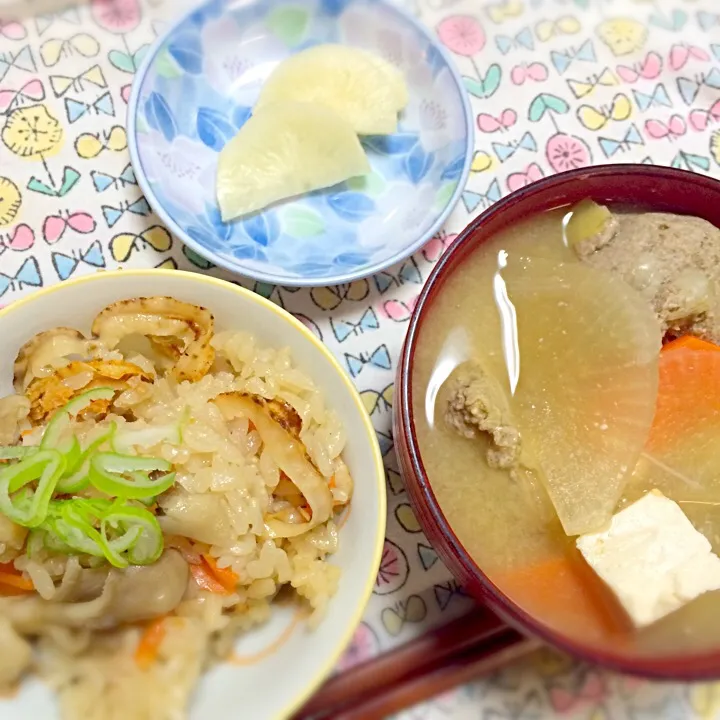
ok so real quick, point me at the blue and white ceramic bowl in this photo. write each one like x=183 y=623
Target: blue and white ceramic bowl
x=197 y=87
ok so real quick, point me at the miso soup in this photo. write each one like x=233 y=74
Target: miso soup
x=568 y=367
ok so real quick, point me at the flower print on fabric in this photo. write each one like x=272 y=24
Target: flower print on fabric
x=32 y=132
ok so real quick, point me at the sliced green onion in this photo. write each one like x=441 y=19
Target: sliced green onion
x=30 y=509
x=127 y=534
x=61 y=419
x=78 y=478
x=73 y=454
x=128 y=477
x=147 y=546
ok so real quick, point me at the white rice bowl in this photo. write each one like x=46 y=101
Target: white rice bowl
x=281 y=662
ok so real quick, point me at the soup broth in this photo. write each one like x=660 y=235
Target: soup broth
x=585 y=408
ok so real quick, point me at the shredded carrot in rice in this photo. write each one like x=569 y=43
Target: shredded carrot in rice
x=149 y=646
x=12 y=581
x=206 y=580
x=227 y=577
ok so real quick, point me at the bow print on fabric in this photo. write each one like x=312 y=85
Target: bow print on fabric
x=700 y=119
x=102 y=181
x=27 y=275
x=583 y=88
x=563 y=59
x=427 y=556
x=500 y=11
x=20 y=239
x=657 y=98
x=65 y=265
x=707 y=20
x=505 y=151
x=55 y=226
x=436 y=246
x=398 y=310
x=329 y=298
x=473 y=200
x=343 y=329
x=531 y=174
x=610 y=146
x=681 y=54
x=594 y=118
x=535 y=71
x=405 y=516
x=52 y=51
x=412 y=610
x=113 y=214
x=566 y=25
x=92 y=76
x=649 y=69
x=76 y=109
x=23 y=60
x=378 y=401
x=90 y=145
x=379 y=358
x=43 y=23
x=671 y=130
x=32 y=91
x=490 y=124
x=523 y=39
x=445 y=593
x=689 y=88
x=12 y=30
x=409 y=272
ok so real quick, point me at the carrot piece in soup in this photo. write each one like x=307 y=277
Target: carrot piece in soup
x=566 y=594
x=688 y=393
x=681 y=457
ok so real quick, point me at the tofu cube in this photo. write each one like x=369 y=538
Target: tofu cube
x=652 y=558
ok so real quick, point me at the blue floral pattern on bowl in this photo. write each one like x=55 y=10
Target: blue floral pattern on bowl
x=196 y=89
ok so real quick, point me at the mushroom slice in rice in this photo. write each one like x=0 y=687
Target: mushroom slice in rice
x=134 y=594
x=281 y=412
x=42 y=350
x=288 y=453
x=48 y=394
x=176 y=329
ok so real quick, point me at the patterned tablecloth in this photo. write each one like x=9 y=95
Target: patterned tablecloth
x=555 y=84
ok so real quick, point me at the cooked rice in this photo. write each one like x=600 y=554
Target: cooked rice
x=223 y=467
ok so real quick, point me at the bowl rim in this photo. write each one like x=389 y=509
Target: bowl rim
x=274 y=278
x=347 y=634
x=697 y=666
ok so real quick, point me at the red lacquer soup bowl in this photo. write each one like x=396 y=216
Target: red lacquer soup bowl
x=642 y=186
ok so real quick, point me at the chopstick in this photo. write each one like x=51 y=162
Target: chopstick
x=439 y=660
